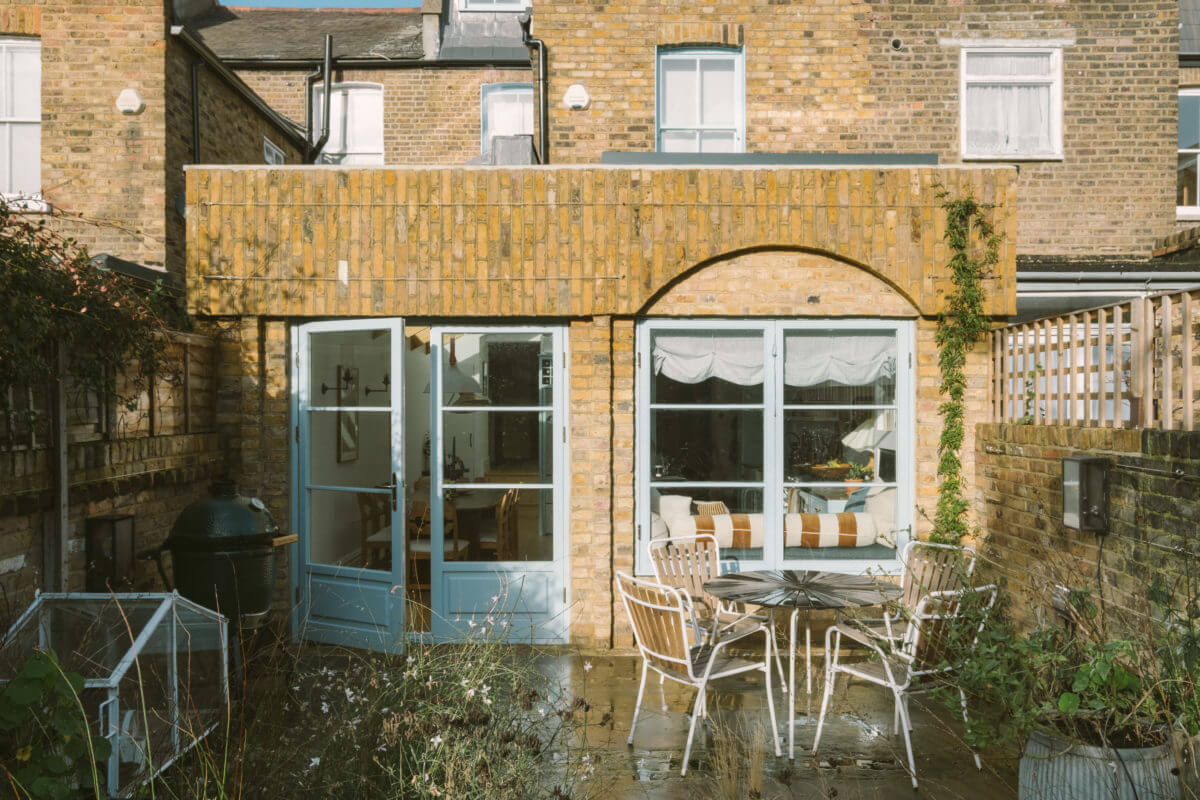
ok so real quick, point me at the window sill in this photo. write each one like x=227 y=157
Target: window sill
x=1013 y=158
x=23 y=204
x=1187 y=213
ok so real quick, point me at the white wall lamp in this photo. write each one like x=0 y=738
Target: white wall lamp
x=129 y=102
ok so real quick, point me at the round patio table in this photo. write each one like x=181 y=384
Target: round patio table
x=800 y=591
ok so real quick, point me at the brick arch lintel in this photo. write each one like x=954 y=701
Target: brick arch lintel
x=715 y=260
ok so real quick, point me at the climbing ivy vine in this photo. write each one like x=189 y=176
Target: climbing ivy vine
x=975 y=250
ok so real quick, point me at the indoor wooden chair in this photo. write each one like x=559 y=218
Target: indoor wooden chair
x=418 y=543
x=508 y=528
x=375 y=530
x=661 y=616
x=687 y=563
x=920 y=661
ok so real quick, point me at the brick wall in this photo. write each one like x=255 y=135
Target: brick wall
x=1152 y=512
x=231 y=132
x=822 y=77
x=430 y=115
x=103 y=170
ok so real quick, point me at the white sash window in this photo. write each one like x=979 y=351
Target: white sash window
x=1012 y=103
x=701 y=101
x=20 y=118
x=507 y=110
x=356 y=123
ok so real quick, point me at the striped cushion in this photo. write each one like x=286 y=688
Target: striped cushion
x=829 y=530
x=733 y=530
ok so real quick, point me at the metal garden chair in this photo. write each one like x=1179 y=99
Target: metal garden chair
x=921 y=659
x=925 y=567
x=686 y=563
x=660 y=616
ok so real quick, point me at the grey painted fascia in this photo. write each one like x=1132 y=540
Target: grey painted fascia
x=376 y=63
x=285 y=125
x=626 y=158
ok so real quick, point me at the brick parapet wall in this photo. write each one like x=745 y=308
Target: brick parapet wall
x=1152 y=513
x=431 y=115
x=558 y=241
x=823 y=77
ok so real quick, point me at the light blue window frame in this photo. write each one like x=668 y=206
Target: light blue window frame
x=773 y=484
x=495 y=88
x=736 y=55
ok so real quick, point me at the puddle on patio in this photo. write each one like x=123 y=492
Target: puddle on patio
x=858 y=758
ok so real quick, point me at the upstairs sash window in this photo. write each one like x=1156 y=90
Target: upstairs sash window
x=1012 y=103
x=356 y=123
x=507 y=110
x=1186 y=178
x=701 y=101
x=20 y=118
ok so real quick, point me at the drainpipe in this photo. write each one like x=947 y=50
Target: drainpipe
x=325 y=72
x=526 y=19
x=196 y=110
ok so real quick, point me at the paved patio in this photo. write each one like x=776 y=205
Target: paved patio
x=859 y=758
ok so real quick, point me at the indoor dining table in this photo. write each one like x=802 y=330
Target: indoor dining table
x=800 y=591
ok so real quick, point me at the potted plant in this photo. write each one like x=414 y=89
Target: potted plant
x=1097 y=707
x=856 y=474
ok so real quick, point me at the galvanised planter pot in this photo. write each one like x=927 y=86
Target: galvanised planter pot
x=1056 y=769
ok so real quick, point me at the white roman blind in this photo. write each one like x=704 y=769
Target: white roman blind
x=507 y=110
x=356 y=123
x=20 y=118
x=1012 y=103
x=701 y=101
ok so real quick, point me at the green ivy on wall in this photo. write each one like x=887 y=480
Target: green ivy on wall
x=975 y=250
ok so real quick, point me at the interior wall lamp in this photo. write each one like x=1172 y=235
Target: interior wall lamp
x=1085 y=493
x=387 y=384
x=347 y=379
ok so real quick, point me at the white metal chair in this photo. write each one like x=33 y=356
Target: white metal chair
x=925 y=567
x=921 y=659
x=660 y=616
x=687 y=563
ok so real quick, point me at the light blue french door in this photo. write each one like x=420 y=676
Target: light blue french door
x=348 y=483
x=498 y=462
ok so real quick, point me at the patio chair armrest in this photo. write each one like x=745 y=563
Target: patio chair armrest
x=722 y=643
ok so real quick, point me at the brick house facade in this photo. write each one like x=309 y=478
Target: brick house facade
x=603 y=260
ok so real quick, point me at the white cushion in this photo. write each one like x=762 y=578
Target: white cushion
x=658 y=527
x=674 y=509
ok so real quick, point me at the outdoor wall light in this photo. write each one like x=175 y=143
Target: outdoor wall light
x=1085 y=493
x=130 y=102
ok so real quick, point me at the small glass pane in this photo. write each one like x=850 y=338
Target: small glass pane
x=509 y=447
x=1189 y=122
x=27 y=158
x=678 y=93
x=6 y=183
x=706 y=367
x=1008 y=119
x=718 y=92
x=351 y=368
x=718 y=142
x=835 y=523
x=512 y=524
x=1005 y=64
x=351 y=529
x=1185 y=181
x=839 y=446
x=839 y=367
x=26 y=91
x=350 y=448
x=687 y=510
x=710 y=445
x=679 y=142
x=498 y=369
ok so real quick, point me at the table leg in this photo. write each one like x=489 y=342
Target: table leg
x=808 y=665
x=792 y=684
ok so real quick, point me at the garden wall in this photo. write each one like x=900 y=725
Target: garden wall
x=1154 y=506
x=150 y=460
